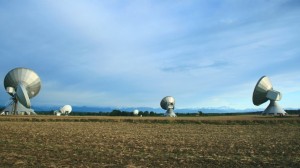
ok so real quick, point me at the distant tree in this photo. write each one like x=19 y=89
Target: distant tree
x=115 y=113
x=152 y=113
x=146 y=113
x=125 y=113
x=103 y=113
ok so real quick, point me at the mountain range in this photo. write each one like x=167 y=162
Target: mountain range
x=223 y=109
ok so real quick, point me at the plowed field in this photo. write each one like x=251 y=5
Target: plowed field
x=114 y=142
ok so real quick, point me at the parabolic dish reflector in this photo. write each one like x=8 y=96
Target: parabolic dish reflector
x=22 y=95
x=135 y=112
x=260 y=91
x=167 y=103
x=66 y=109
x=27 y=77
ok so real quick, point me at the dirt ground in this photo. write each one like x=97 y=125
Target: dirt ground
x=142 y=144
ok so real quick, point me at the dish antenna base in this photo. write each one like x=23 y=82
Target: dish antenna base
x=170 y=113
x=16 y=108
x=274 y=109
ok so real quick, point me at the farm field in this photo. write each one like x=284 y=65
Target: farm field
x=236 y=141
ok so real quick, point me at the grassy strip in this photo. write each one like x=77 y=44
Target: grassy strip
x=196 y=120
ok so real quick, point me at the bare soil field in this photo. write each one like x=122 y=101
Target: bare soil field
x=236 y=141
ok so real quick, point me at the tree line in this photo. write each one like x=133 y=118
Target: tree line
x=100 y=113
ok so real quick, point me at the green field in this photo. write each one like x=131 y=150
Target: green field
x=220 y=141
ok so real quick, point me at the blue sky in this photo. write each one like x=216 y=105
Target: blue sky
x=204 y=53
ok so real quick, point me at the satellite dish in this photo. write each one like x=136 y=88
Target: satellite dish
x=263 y=92
x=22 y=84
x=66 y=109
x=168 y=103
x=135 y=112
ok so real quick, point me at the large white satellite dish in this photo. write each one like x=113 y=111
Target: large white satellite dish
x=65 y=110
x=136 y=112
x=22 y=84
x=263 y=92
x=168 y=103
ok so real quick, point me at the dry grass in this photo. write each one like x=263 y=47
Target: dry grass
x=241 y=119
x=136 y=142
